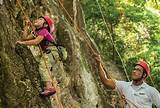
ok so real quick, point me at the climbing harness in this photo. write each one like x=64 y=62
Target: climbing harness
x=61 y=49
x=53 y=81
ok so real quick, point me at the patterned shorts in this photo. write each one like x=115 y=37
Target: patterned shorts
x=46 y=61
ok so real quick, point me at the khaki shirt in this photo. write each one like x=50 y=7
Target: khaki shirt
x=143 y=96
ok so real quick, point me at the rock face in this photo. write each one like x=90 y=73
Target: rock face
x=76 y=79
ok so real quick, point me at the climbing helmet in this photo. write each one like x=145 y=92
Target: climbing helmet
x=50 y=23
x=145 y=66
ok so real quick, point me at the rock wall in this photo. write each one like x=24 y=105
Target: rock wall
x=76 y=78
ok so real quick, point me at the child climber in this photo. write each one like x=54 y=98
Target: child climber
x=44 y=26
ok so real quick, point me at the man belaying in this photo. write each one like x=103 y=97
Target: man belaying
x=44 y=26
x=137 y=93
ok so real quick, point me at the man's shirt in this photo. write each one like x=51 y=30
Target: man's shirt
x=143 y=96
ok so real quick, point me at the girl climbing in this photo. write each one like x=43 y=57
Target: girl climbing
x=44 y=26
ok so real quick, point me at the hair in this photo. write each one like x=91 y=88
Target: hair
x=145 y=73
x=56 y=19
x=45 y=24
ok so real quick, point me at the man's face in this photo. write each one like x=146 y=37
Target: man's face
x=137 y=72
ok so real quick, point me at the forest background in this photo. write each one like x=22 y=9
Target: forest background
x=126 y=31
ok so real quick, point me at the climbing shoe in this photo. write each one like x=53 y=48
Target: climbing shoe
x=48 y=92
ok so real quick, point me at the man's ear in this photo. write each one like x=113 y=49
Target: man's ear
x=144 y=75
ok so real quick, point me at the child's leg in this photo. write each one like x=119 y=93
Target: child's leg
x=44 y=69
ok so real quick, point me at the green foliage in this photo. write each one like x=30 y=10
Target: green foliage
x=91 y=9
x=95 y=25
x=152 y=56
x=135 y=29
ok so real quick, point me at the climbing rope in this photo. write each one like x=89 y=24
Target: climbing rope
x=78 y=29
x=113 y=41
x=91 y=41
x=94 y=52
x=116 y=47
x=126 y=99
x=48 y=70
x=152 y=81
x=53 y=81
x=118 y=54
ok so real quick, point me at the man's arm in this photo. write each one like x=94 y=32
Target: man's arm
x=156 y=98
x=109 y=83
